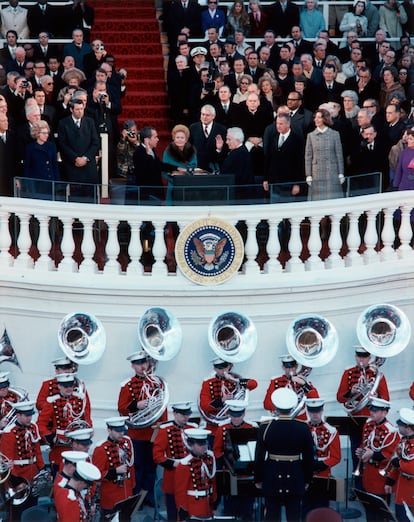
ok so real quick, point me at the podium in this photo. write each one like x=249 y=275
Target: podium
x=200 y=189
x=376 y=504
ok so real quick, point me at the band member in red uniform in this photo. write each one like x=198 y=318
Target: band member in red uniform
x=69 y=500
x=400 y=473
x=115 y=460
x=379 y=441
x=240 y=506
x=411 y=392
x=328 y=452
x=134 y=397
x=284 y=459
x=69 y=461
x=81 y=439
x=195 y=486
x=20 y=443
x=58 y=413
x=7 y=397
x=50 y=386
x=223 y=386
x=354 y=386
x=293 y=380
x=169 y=448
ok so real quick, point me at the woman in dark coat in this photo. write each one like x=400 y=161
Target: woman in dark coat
x=40 y=163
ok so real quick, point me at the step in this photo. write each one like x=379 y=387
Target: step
x=147 y=98
x=138 y=73
x=125 y=25
x=144 y=62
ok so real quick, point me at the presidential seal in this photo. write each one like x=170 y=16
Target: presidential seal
x=209 y=251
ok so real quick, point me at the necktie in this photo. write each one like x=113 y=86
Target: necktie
x=371 y=146
x=206 y=131
x=256 y=17
x=291 y=114
x=330 y=87
x=78 y=124
x=3 y=138
x=281 y=140
x=226 y=108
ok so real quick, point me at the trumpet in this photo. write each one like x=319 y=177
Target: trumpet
x=357 y=470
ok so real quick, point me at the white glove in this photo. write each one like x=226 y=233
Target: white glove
x=341 y=178
x=309 y=180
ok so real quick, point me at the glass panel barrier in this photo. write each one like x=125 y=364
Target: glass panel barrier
x=185 y=190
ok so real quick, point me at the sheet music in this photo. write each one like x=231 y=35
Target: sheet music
x=247 y=451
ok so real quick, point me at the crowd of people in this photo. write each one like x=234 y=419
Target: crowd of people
x=293 y=118
x=295 y=447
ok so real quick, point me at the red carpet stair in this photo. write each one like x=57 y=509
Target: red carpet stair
x=130 y=31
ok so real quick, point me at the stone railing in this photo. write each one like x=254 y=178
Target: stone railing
x=138 y=242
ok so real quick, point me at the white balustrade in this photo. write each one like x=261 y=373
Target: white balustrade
x=368 y=228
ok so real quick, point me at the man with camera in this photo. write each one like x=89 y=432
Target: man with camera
x=125 y=149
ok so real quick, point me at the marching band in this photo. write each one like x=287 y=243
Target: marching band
x=203 y=464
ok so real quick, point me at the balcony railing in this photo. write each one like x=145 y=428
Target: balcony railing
x=138 y=241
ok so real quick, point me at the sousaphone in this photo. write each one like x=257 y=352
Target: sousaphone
x=311 y=340
x=232 y=336
x=82 y=338
x=160 y=335
x=384 y=331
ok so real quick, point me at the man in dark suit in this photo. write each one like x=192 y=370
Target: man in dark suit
x=253 y=68
x=329 y=89
x=301 y=119
x=79 y=145
x=203 y=136
x=18 y=63
x=7 y=53
x=363 y=84
x=213 y=16
x=45 y=50
x=78 y=48
x=148 y=167
x=284 y=153
x=301 y=46
x=237 y=161
x=7 y=157
x=42 y=17
x=282 y=16
x=182 y=16
x=369 y=156
x=226 y=110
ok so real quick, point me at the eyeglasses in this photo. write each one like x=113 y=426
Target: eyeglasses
x=28 y=68
x=213 y=3
x=244 y=83
x=49 y=83
x=293 y=99
x=368 y=106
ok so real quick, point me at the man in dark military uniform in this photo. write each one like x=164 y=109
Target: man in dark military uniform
x=169 y=448
x=284 y=459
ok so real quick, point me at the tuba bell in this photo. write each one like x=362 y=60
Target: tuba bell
x=7 y=353
x=311 y=340
x=82 y=338
x=22 y=395
x=161 y=336
x=232 y=336
x=384 y=331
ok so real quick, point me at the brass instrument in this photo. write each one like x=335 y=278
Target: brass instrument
x=82 y=338
x=384 y=331
x=160 y=335
x=42 y=482
x=313 y=342
x=18 y=494
x=7 y=353
x=233 y=337
x=11 y=414
x=5 y=468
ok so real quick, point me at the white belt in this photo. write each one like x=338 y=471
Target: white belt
x=60 y=432
x=23 y=462
x=204 y=493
